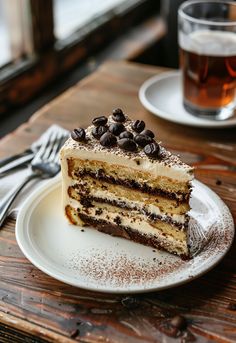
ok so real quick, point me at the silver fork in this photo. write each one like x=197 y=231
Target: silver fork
x=44 y=165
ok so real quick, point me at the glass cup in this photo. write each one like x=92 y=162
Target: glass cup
x=207 y=41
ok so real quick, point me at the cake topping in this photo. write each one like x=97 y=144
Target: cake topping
x=142 y=140
x=127 y=144
x=98 y=131
x=78 y=135
x=138 y=125
x=100 y=121
x=148 y=133
x=152 y=150
x=126 y=134
x=94 y=133
x=116 y=128
x=118 y=115
x=108 y=139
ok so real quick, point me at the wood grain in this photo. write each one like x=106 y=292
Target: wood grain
x=35 y=305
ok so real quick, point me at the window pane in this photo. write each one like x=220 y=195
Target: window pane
x=71 y=15
x=15 y=31
x=5 y=55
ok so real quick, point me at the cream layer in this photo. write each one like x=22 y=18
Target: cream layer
x=142 y=206
x=176 y=240
x=170 y=167
x=133 y=219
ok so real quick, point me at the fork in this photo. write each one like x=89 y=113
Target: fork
x=44 y=165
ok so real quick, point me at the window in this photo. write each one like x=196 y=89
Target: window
x=42 y=39
x=15 y=30
x=5 y=55
x=72 y=15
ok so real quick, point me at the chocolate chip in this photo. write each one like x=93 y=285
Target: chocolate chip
x=116 y=128
x=179 y=322
x=98 y=211
x=127 y=144
x=118 y=115
x=108 y=139
x=126 y=134
x=117 y=220
x=138 y=125
x=148 y=133
x=98 y=131
x=117 y=111
x=100 y=121
x=142 y=140
x=218 y=182
x=85 y=202
x=152 y=150
x=78 y=135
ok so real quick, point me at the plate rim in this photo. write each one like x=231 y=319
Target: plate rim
x=45 y=189
x=162 y=114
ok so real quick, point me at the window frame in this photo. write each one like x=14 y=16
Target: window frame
x=19 y=82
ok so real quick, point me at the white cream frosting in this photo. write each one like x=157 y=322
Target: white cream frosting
x=156 y=168
x=168 y=165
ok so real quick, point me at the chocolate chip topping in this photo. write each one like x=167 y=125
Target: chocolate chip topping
x=152 y=150
x=98 y=131
x=100 y=121
x=148 y=133
x=117 y=111
x=125 y=138
x=108 y=140
x=127 y=144
x=118 y=115
x=138 y=125
x=78 y=135
x=126 y=134
x=116 y=128
x=142 y=140
x=179 y=322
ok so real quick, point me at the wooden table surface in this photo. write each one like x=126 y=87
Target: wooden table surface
x=36 y=308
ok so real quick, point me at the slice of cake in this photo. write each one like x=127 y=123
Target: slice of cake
x=118 y=179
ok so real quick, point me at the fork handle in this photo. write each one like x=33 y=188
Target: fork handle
x=8 y=199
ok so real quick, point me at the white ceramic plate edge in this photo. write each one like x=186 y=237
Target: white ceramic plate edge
x=43 y=191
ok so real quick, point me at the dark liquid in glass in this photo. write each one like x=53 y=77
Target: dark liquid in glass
x=209 y=81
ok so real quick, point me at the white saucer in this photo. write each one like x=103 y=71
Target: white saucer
x=162 y=95
x=89 y=259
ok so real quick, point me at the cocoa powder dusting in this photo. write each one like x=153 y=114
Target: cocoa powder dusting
x=122 y=270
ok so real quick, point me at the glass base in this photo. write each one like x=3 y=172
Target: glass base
x=222 y=113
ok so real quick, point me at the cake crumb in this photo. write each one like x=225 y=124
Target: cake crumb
x=218 y=182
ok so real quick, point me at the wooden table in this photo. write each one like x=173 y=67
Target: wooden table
x=36 y=308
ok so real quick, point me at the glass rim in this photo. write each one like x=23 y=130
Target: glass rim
x=205 y=21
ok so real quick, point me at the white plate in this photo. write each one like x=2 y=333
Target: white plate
x=162 y=95
x=86 y=258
